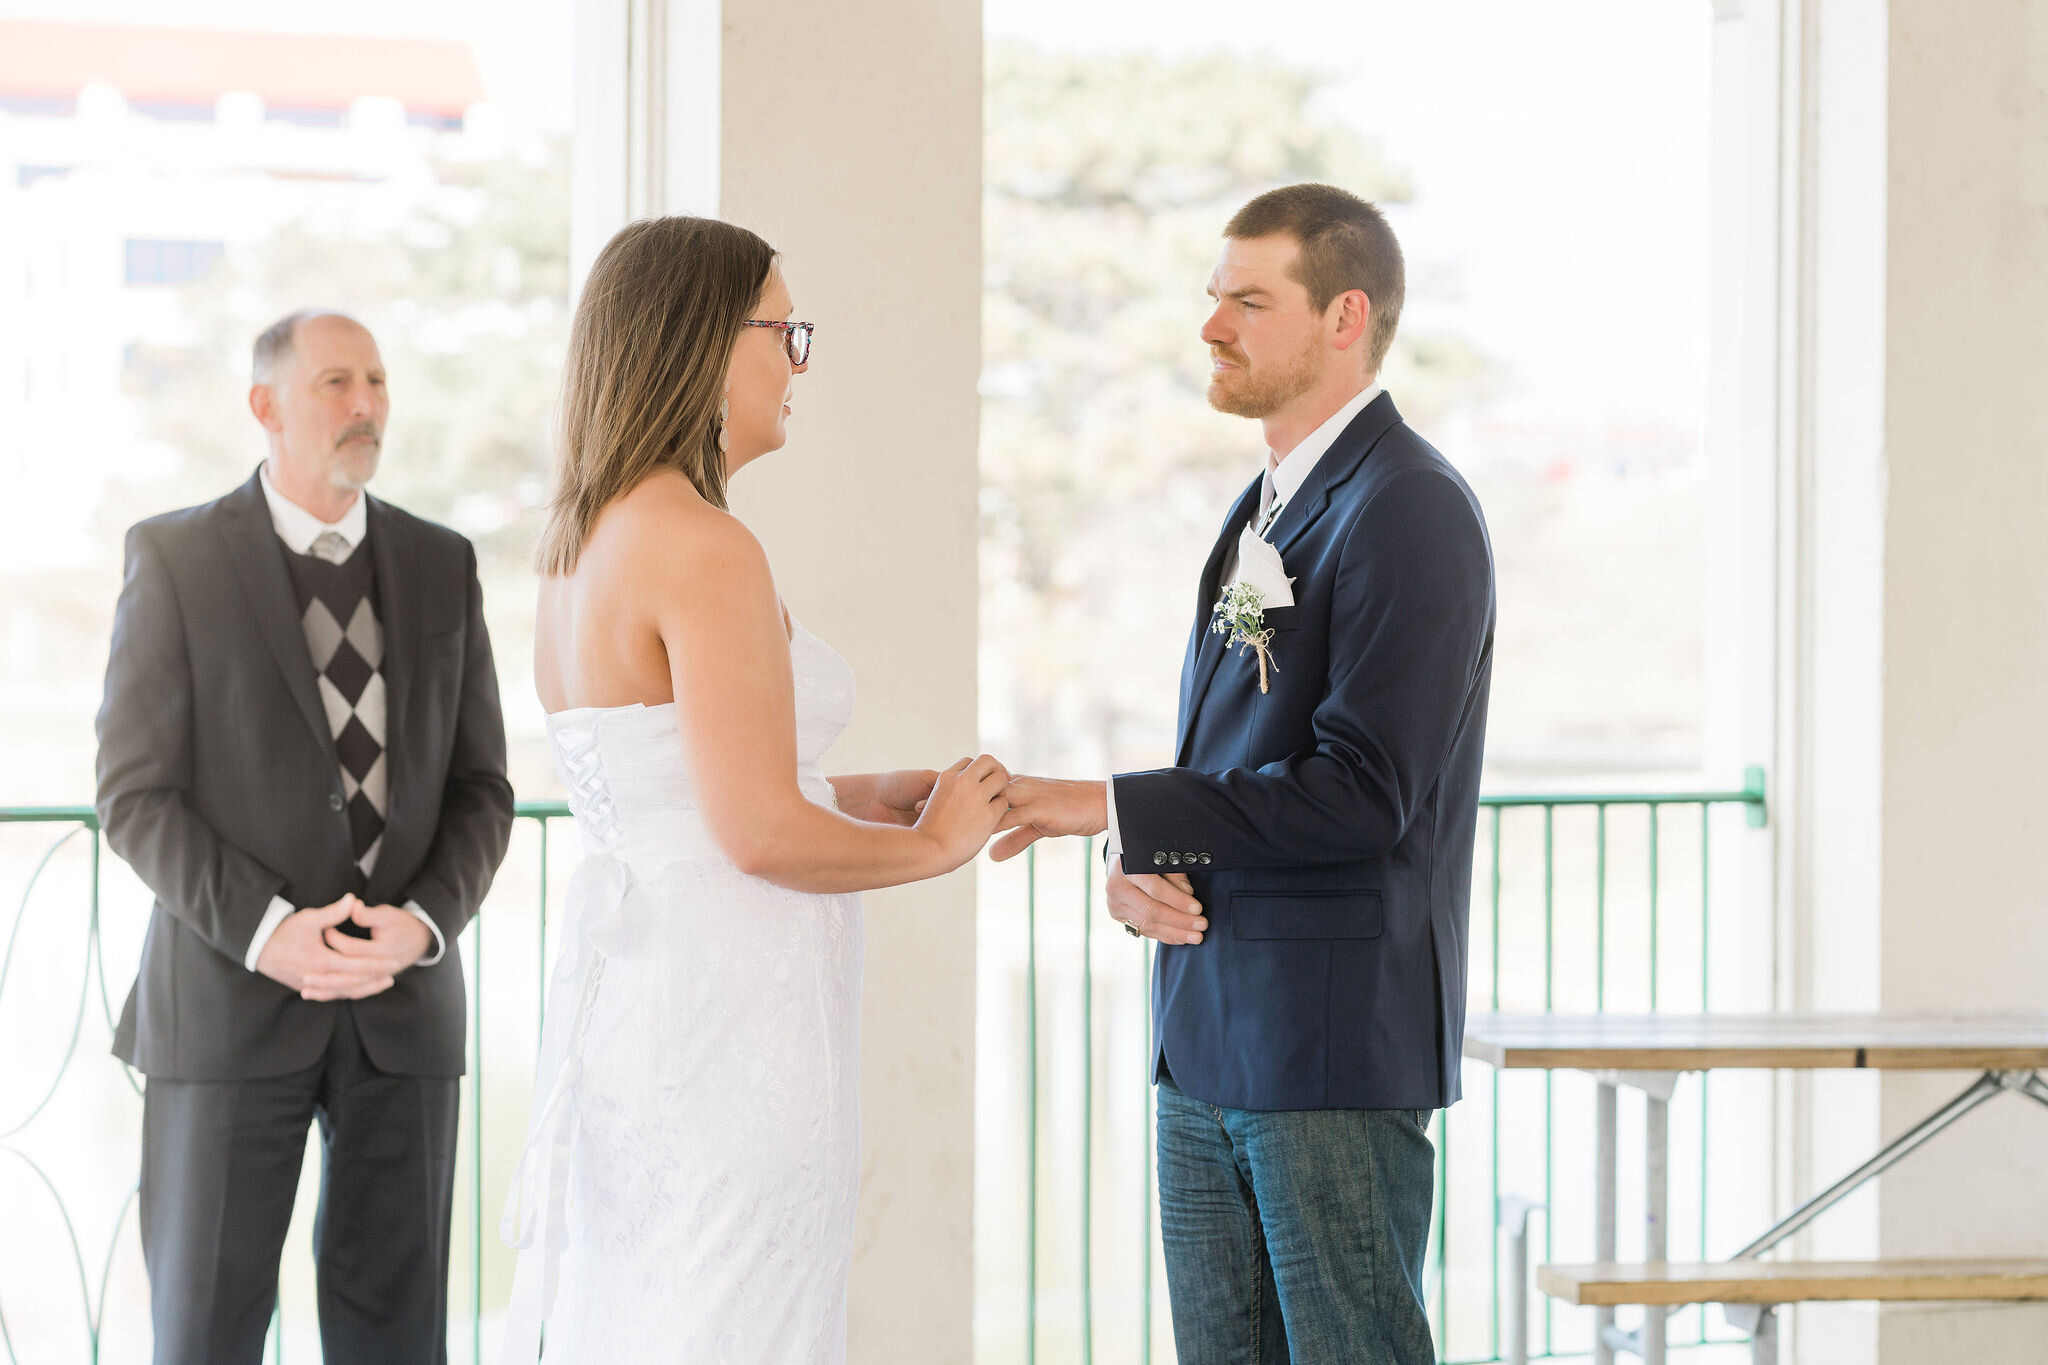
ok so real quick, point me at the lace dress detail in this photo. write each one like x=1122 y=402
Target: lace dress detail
x=688 y=1188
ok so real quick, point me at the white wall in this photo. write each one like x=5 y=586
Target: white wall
x=1965 y=915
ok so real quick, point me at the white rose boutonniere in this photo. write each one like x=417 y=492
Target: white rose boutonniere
x=1240 y=613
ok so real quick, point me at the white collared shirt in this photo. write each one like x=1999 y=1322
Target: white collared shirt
x=1284 y=476
x=298 y=529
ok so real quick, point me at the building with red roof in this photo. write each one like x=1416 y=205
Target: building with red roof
x=185 y=71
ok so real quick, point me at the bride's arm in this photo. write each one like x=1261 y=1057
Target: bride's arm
x=721 y=628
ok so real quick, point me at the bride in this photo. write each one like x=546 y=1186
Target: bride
x=687 y=1189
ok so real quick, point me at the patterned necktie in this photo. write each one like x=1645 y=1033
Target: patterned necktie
x=1271 y=515
x=332 y=546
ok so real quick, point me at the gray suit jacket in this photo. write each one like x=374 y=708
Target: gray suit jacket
x=218 y=784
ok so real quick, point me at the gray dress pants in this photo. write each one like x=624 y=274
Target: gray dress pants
x=220 y=1170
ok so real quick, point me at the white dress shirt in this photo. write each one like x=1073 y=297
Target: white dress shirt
x=1284 y=476
x=298 y=529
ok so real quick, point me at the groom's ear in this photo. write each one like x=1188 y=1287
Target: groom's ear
x=1350 y=313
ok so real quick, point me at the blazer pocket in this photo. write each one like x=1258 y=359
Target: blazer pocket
x=1307 y=914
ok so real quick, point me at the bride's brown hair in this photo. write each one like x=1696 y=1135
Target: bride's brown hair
x=648 y=353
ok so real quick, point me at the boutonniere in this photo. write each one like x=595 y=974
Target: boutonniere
x=1240 y=614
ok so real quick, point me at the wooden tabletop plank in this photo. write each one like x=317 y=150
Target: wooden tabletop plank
x=1612 y=1285
x=2016 y=1040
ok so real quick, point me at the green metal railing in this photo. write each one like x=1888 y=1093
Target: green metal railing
x=1508 y=897
x=1493 y=908
x=81 y=820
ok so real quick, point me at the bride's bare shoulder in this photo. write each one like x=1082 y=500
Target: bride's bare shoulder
x=665 y=515
x=664 y=527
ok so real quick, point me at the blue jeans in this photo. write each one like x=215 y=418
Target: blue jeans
x=1295 y=1237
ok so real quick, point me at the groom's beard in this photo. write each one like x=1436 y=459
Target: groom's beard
x=1251 y=393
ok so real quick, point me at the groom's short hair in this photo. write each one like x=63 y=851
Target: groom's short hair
x=1345 y=244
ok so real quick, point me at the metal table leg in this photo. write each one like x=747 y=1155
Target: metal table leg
x=1760 y=1320
x=1763 y=1343
x=1656 y=1203
x=1646 y=1341
x=1980 y=1090
x=1604 y=1179
x=1514 y=1225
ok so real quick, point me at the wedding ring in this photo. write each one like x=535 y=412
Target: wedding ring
x=1130 y=928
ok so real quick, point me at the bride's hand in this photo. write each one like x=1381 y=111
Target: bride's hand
x=964 y=808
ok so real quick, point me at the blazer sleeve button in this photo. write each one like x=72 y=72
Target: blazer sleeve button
x=1205 y=860
x=1159 y=860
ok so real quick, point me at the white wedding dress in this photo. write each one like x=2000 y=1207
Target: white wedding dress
x=687 y=1190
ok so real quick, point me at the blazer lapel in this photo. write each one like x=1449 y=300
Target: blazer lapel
x=1205 y=649
x=258 y=557
x=1346 y=453
x=397 y=609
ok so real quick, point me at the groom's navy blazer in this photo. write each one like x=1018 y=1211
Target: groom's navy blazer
x=1327 y=825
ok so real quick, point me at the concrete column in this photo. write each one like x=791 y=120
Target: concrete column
x=851 y=139
x=1965 y=632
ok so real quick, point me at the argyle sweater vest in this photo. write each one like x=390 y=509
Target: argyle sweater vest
x=345 y=634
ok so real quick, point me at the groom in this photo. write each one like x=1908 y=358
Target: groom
x=1307 y=864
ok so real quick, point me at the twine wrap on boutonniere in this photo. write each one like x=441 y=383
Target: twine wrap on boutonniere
x=1261 y=581
x=1241 y=621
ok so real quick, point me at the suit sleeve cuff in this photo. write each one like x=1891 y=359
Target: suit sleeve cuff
x=440 y=943
x=1158 y=834
x=274 y=916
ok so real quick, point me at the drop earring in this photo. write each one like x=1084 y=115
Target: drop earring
x=724 y=416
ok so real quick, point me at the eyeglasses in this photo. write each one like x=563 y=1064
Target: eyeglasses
x=796 y=337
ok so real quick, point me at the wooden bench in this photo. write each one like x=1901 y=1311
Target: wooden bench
x=1753 y=1290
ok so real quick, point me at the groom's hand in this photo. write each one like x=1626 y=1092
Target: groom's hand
x=1041 y=806
x=1157 y=907
x=899 y=796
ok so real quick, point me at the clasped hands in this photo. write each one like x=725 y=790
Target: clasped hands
x=1158 y=907
x=1033 y=808
x=309 y=953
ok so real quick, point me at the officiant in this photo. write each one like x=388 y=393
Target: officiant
x=301 y=754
